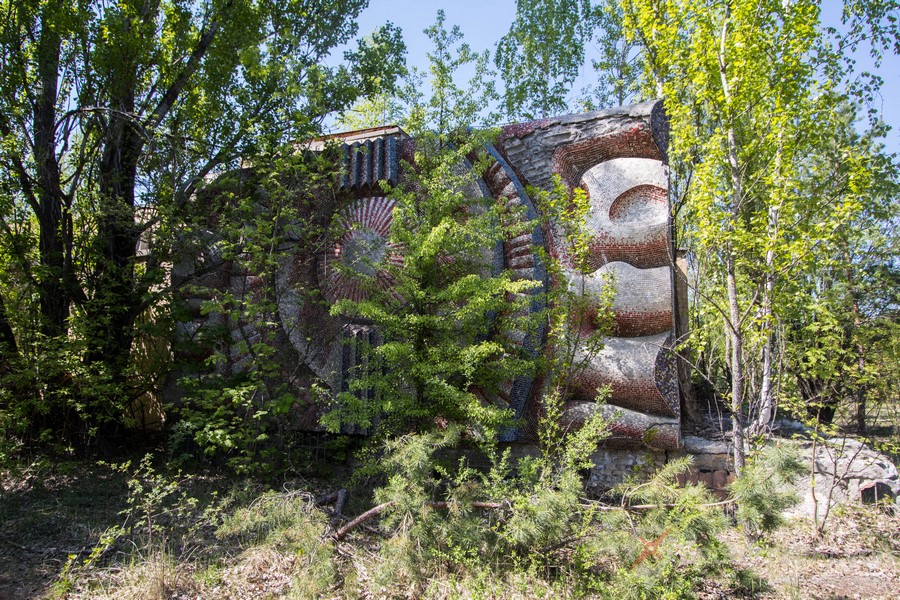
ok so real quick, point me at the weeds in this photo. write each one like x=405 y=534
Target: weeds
x=241 y=541
x=765 y=489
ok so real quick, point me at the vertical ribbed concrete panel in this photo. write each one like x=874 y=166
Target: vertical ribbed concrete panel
x=366 y=162
x=521 y=255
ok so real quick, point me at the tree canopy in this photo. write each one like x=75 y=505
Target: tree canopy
x=772 y=175
x=541 y=55
x=112 y=115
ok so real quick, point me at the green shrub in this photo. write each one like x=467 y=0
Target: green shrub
x=765 y=488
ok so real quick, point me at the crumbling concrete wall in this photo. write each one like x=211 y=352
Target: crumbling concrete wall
x=617 y=156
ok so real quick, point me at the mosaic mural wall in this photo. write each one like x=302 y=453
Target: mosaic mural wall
x=617 y=156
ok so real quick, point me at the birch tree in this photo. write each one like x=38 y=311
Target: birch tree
x=753 y=90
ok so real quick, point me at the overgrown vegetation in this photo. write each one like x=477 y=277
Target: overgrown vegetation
x=139 y=529
x=238 y=411
x=785 y=201
x=168 y=120
x=112 y=118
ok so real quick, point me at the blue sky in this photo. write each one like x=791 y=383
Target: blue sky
x=484 y=21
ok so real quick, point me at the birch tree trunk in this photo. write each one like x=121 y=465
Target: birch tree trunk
x=766 y=396
x=736 y=358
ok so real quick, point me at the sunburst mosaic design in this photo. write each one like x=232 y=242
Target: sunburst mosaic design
x=358 y=259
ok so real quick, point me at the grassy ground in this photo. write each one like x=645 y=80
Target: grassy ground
x=49 y=512
x=89 y=530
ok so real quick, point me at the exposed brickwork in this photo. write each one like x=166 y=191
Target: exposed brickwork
x=646 y=255
x=636 y=394
x=716 y=480
x=634 y=141
x=613 y=466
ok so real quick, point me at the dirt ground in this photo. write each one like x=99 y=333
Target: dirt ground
x=858 y=556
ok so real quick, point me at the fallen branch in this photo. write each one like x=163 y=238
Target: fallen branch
x=44 y=551
x=20 y=546
x=377 y=510
x=327 y=499
x=486 y=505
x=563 y=542
x=652 y=506
x=338 y=498
x=374 y=512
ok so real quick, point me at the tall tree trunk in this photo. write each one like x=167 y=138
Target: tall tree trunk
x=116 y=300
x=766 y=395
x=737 y=365
x=852 y=340
x=54 y=299
x=118 y=294
x=861 y=386
x=8 y=346
x=8 y=353
x=734 y=312
x=861 y=393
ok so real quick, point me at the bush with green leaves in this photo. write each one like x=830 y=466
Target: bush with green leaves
x=52 y=397
x=445 y=515
x=439 y=354
x=238 y=412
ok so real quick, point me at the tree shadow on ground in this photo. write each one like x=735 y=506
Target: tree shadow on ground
x=47 y=514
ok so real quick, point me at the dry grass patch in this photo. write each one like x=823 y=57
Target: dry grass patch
x=858 y=556
x=157 y=577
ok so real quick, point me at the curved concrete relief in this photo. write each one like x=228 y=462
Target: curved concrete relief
x=617 y=158
x=642 y=304
x=629 y=366
x=630 y=217
x=311 y=330
x=629 y=212
x=520 y=257
x=350 y=262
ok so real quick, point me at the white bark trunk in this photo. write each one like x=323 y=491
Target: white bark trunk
x=734 y=313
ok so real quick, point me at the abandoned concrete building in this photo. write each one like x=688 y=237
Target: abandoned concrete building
x=619 y=157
